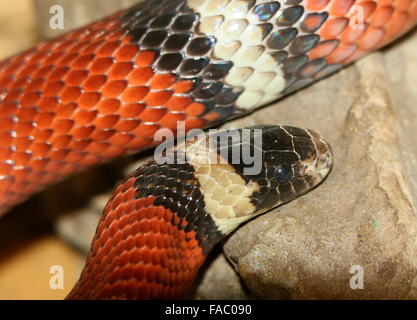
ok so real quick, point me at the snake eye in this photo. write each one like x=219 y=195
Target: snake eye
x=283 y=173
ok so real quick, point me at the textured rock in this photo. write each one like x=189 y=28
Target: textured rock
x=217 y=270
x=363 y=214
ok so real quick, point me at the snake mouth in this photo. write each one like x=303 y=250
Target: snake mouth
x=315 y=168
x=323 y=161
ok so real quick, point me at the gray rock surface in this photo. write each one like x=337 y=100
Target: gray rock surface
x=363 y=215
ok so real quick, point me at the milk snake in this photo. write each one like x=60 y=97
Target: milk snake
x=105 y=90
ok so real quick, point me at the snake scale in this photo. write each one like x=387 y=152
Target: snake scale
x=104 y=91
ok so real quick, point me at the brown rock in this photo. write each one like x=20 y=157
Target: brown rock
x=364 y=213
x=218 y=280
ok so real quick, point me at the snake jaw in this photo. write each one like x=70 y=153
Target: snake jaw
x=324 y=164
x=319 y=167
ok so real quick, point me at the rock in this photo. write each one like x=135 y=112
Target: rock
x=217 y=280
x=364 y=214
x=79 y=227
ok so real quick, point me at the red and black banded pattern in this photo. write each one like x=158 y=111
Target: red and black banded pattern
x=144 y=252
x=157 y=228
x=81 y=99
x=102 y=91
x=153 y=237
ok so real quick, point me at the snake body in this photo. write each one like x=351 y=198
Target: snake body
x=166 y=216
x=104 y=90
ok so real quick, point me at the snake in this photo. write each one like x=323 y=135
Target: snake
x=106 y=89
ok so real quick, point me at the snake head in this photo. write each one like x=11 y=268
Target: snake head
x=254 y=169
x=294 y=161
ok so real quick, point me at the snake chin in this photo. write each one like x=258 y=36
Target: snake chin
x=324 y=165
x=320 y=167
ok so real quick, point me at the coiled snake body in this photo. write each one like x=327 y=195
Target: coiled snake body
x=104 y=90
